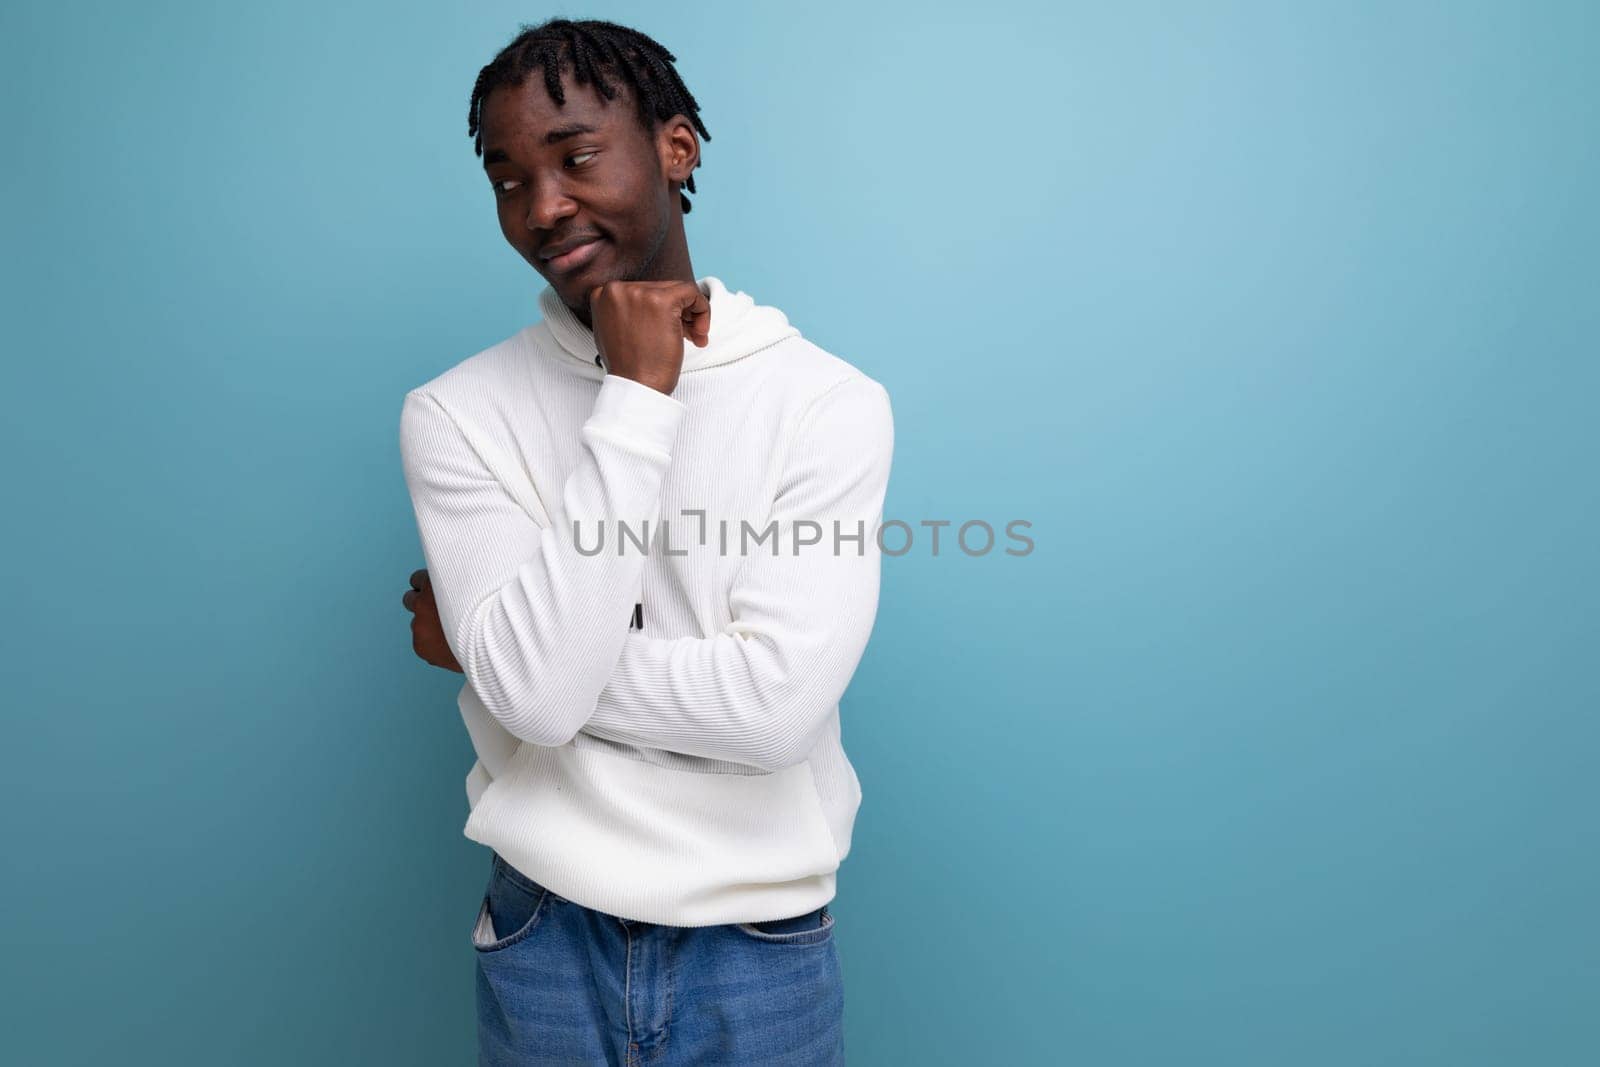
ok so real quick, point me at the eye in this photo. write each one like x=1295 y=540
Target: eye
x=582 y=155
x=500 y=183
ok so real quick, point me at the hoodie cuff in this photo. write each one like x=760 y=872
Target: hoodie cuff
x=632 y=411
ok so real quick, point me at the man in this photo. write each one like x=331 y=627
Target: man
x=650 y=526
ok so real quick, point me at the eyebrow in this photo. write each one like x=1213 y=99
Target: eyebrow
x=555 y=136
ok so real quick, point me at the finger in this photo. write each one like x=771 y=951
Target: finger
x=696 y=314
x=409 y=599
x=418 y=577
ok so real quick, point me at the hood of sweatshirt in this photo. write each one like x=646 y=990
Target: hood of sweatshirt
x=739 y=327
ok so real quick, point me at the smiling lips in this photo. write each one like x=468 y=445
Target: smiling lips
x=577 y=257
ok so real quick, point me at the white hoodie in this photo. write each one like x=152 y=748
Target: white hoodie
x=689 y=772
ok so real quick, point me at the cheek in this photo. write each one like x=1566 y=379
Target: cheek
x=511 y=224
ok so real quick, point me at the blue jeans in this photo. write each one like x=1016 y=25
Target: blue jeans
x=559 y=983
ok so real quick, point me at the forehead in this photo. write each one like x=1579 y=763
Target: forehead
x=526 y=113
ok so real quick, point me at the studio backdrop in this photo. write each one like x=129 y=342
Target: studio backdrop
x=1261 y=338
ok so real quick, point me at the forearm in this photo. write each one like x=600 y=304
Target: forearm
x=761 y=691
x=536 y=615
x=759 y=697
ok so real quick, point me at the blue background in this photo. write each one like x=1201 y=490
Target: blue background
x=1277 y=321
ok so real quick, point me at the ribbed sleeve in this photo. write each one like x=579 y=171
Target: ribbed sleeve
x=537 y=625
x=760 y=691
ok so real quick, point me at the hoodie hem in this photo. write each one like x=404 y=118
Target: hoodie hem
x=657 y=844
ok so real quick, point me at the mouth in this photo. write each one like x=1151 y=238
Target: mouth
x=576 y=259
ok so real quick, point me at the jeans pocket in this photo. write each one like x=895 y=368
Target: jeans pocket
x=812 y=928
x=512 y=907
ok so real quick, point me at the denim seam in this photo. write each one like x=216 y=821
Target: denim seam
x=798 y=938
x=517 y=878
x=627 y=995
x=672 y=983
x=534 y=918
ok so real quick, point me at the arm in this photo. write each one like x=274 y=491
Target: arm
x=536 y=626
x=760 y=691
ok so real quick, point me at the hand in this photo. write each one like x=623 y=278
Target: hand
x=427 y=632
x=640 y=327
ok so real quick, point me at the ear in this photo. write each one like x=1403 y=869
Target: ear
x=679 y=148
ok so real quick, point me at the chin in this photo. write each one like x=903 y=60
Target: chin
x=581 y=289
x=575 y=298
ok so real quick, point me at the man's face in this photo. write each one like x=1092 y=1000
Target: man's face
x=575 y=172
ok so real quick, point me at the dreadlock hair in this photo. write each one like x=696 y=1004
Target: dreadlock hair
x=590 y=48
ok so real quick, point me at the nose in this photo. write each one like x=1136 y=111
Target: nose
x=548 y=204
